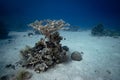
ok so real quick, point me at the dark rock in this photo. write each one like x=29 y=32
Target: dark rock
x=30 y=34
x=65 y=48
x=76 y=56
x=5 y=77
x=10 y=66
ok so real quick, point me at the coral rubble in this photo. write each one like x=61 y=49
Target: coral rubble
x=48 y=51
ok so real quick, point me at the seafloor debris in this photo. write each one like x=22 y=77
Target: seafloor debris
x=48 y=51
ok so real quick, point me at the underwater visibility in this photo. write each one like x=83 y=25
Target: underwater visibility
x=59 y=40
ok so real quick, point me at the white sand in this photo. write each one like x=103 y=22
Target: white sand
x=101 y=55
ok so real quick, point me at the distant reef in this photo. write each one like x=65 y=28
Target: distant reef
x=99 y=30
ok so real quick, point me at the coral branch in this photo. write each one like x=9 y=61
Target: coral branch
x=47 y=27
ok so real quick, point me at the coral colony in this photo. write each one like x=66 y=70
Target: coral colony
x=48 y=51
x=99 y=30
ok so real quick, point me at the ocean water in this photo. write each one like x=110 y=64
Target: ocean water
x=83 y=13
x=100 y=47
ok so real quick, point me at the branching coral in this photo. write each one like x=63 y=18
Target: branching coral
x=47 y=27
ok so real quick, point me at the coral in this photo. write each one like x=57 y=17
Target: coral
x=48 y=51
x=23 y=75
x=24 y=52
x=98 y=30
x=47 y=27
x=77 y=56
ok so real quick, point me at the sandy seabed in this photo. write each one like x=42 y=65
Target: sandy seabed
x=101 y=58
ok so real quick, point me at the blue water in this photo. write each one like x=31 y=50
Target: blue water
x=16 y=14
